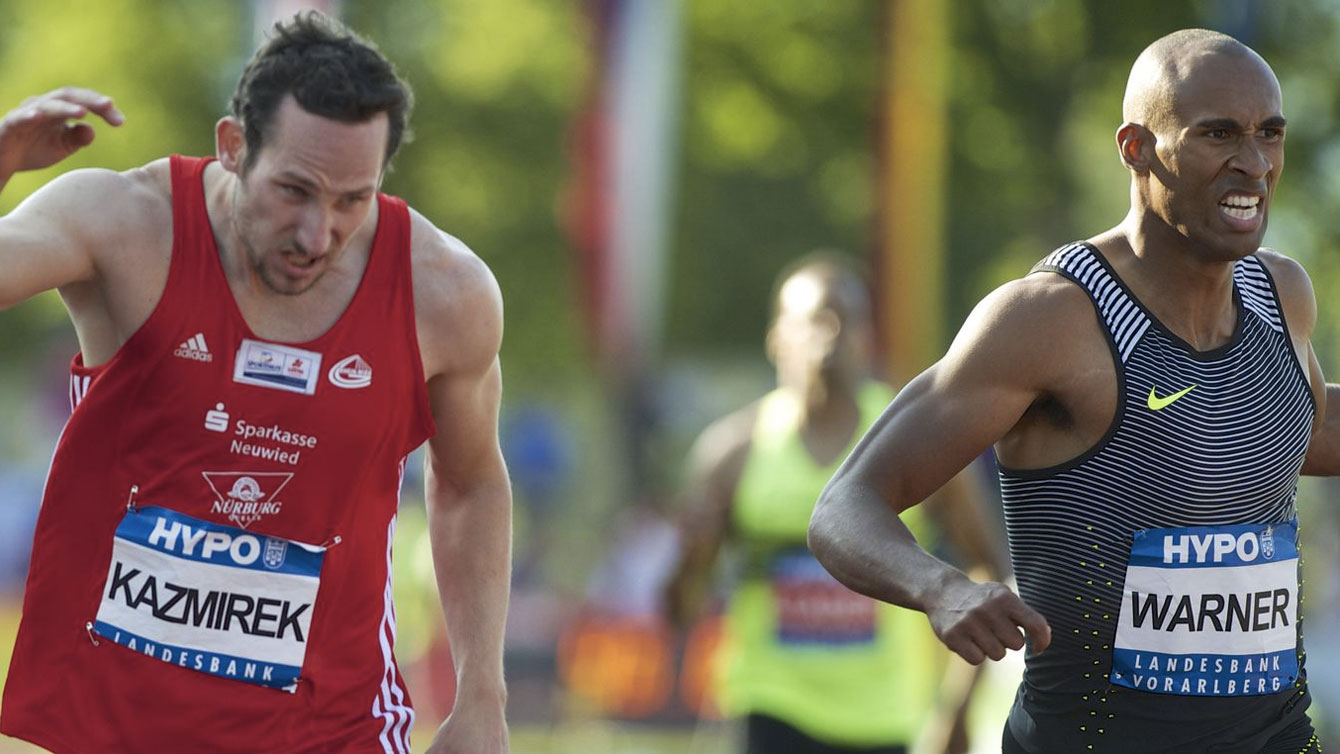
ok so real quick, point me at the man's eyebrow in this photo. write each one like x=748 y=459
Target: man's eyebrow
x=291 y=177
x=1216 y=123
x=1275 y=121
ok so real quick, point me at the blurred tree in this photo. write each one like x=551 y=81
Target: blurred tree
x=496 y=86
x=778 y=129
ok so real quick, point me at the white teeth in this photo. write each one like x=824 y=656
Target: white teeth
x=1241 y=213
x=1242 y=201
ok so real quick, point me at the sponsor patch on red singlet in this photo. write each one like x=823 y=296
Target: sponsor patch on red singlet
x=277 y=366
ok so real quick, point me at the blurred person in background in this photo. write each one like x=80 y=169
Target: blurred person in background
x=811 y=665
x=1152 y=394
x=264 y=339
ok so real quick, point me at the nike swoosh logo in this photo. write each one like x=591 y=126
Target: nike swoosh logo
x=1156 y=403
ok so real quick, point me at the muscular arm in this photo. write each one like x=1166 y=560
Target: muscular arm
x=42 y=243
x=468 y=495
x=995 y=369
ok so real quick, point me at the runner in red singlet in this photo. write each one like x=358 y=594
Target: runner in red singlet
x=264 y=339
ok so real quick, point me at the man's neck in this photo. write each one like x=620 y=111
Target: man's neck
x=1189 y=293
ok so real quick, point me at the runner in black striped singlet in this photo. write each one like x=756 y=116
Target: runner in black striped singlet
x=1153 y=396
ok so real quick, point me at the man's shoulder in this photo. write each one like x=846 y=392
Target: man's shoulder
x=1030 y=331
x=1288 y=273
x=448 y=275
x=1296 y=295
x=111 y=203
x=456 y=296
x=151 y=182
x=1038 y=302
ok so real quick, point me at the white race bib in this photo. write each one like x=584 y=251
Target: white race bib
x=209 y=597
x=1210 y=611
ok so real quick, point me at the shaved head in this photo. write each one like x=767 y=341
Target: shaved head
x=1203 y=138
x=1156 y=82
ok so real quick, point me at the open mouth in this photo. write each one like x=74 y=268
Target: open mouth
x=300 y=261
x=1241 y=206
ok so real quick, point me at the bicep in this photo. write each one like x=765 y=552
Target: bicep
x=935 y=427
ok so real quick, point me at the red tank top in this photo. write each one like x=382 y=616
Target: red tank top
x=219 y=513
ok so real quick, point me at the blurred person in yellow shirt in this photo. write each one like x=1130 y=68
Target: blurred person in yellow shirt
x=808 y=664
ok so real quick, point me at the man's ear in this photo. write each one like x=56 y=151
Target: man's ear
x=230 y=144
x=1135 y=145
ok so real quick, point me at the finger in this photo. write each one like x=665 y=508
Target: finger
x=988 y=642
x=1007 y=632
x=39 y=111
x=78 y=135
x=57 y=110
x=1033 y=624
x=967 y=641
x=92 y=100
x=109 y=112
x=967 y=649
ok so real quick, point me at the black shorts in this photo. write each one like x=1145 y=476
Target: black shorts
x=1291 y=732
x=1299 y=739
x=768 y=735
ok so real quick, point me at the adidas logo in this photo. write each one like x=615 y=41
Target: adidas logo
x=194 y=349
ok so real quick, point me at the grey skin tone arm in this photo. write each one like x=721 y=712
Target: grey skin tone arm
x=977 y=394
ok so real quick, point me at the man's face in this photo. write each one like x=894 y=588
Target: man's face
x=817 y=335
x=310 y=188
x=1220 y=155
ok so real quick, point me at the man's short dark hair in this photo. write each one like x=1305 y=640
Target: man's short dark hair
x=331 y=72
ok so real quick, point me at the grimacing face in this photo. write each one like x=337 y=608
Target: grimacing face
x=312 y=186
x=1220 y=157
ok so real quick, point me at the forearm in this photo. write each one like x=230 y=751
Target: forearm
x=471 y=534
x=860 y=539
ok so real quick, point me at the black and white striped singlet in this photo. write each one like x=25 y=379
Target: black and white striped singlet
x=1228 y=451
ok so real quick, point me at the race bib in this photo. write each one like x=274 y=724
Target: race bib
x=814 y=608
x=1210 y=611
x=212 y=598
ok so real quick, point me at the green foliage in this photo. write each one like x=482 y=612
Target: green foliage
x=779 y=108
x=496 y=86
